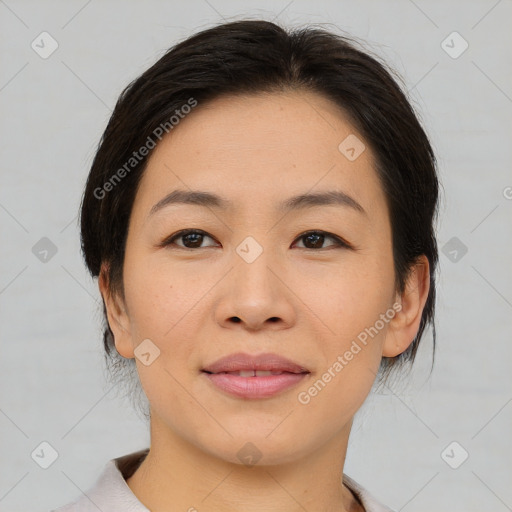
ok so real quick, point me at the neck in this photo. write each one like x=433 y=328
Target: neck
x=179 y=473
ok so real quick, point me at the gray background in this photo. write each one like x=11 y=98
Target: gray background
x=53 y=382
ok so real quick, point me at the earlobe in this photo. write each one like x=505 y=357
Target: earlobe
x=405 y=324
x=117 y=317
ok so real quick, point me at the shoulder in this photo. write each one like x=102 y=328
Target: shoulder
x=368 y=501
x=110 y=491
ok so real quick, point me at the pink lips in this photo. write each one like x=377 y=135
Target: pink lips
x=271 y=374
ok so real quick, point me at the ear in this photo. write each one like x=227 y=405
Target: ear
x=402 y=329
x=117 y=315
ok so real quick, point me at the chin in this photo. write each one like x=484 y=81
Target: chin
x=258 y=450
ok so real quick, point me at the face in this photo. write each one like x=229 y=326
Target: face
x=251 y=277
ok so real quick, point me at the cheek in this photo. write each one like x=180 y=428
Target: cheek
x=333 y=397
x=165 y=307
x=352 y=307
x=158 y=297
x=354 y=299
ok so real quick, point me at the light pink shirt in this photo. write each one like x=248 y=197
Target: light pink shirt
x=111 y=493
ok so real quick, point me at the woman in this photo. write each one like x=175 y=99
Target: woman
x=260 y=215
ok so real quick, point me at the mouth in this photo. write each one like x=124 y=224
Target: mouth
x=254 y=377
x=241 y=362
x=252 y=373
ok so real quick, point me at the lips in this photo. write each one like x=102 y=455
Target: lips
x=246 y=365
x=254 y=377
x=253 y=373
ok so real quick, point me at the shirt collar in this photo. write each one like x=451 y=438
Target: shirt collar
x=111 y=490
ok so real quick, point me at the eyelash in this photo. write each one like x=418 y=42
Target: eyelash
x=170 y=240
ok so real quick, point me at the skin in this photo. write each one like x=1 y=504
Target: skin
x=305 y=302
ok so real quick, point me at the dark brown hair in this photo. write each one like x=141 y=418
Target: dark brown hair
x=251 y=57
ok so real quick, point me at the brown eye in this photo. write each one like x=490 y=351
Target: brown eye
x=315 y=240
x=191 y=239
x=194 y=238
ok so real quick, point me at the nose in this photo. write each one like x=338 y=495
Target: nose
x=255 y=297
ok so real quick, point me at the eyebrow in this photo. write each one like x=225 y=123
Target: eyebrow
x=298 y=202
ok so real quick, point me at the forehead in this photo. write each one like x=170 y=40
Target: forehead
x=261 y=148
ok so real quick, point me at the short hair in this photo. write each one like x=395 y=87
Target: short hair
x=250 y=57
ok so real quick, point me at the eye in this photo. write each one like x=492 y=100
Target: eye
x=192 y=238
x=314 y=239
